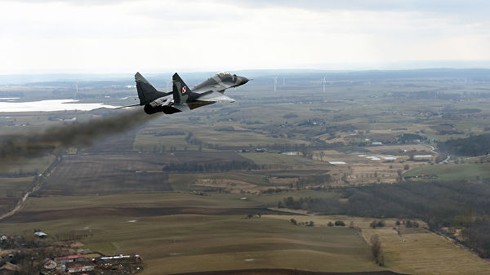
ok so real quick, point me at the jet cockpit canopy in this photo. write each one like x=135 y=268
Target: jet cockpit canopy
x=226 y=76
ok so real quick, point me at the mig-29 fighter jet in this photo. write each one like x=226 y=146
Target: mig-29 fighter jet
x=182 y=98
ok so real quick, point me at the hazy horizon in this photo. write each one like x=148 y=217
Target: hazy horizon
x=32 y=78
x=120 y=36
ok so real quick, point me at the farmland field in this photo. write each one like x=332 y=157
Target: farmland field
x=453 y=172
x=105 y=174
x=206 y=190
x=203 y=232
x=413 y=251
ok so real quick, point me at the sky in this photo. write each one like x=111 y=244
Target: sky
x=117 y=36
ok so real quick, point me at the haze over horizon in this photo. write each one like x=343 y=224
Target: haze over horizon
x=121 y=36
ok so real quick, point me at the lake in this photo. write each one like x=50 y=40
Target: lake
x=49 y=106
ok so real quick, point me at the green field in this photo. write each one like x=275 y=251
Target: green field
x=452 y=172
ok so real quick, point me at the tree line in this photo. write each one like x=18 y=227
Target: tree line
x=440 y=204
x=211 y=166
x=471 y=146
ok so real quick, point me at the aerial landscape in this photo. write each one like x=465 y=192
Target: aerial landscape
x=299 y=173
x=299 y=168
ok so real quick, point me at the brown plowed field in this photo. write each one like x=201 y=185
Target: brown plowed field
x=284 y=272
x=47 y=215
x=105 y=174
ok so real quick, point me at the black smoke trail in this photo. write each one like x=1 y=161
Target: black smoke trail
x=80 y=134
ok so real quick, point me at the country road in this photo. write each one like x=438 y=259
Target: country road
x=38 y=182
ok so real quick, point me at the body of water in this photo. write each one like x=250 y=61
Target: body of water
x=50 y=106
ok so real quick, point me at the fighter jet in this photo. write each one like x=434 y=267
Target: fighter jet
x=182 y=98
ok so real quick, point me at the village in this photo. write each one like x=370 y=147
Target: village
x=41 y=255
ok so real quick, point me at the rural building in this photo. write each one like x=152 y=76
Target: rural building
x=69 y=259
x=80 y=266
x=423 y=157
x=292 y=153
x=73 y=264
x=40 y=234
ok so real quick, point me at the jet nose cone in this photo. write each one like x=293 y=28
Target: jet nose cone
x=243 y=80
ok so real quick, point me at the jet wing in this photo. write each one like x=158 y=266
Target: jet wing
x=215 y=97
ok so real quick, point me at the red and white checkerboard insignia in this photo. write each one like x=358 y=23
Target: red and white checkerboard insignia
x=184 y=89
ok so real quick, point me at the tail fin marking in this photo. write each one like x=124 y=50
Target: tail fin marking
x=181 y=92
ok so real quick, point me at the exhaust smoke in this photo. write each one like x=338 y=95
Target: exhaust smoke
x=81 y=134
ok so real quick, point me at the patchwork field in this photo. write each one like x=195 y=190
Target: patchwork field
x=377 y=164
x=198 y=191
x=213 y=238
x=413 y=250
x=169 y=230
x=105 y=174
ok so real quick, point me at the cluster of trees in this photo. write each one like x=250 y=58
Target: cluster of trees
x=408 y=223
x=310 y=204
x=191 y=139
x=312 y=223
x=314 y=180
x=17 y=242
x=75 y=235
x=251 y=216
x=477 y=235
x=377 y=251
x=308 y=223
x=336 y=223
x=470 y=146
x=408 y=138
x=375 y=224
x=440 y=204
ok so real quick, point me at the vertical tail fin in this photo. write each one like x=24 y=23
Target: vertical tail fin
x=146 y=92
x=181 y=91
